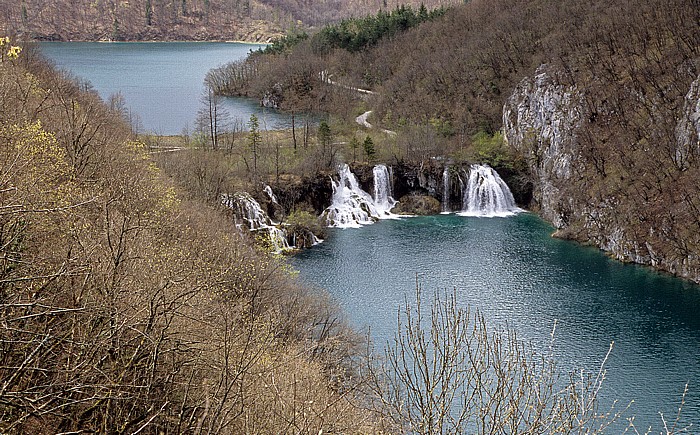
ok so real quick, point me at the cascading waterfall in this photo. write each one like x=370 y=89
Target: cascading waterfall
x=446 y=190
x=255 y=219
x=382 y=189
x=487 y=195
x=248 y=210
x=352 y=207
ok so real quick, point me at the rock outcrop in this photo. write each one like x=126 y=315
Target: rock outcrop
x=688 y=128
x=540 y=120
x=624 y=198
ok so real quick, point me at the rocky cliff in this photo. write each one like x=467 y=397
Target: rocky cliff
x=540 y=120
x=598 y=184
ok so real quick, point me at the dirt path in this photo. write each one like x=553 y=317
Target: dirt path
x=362 y=120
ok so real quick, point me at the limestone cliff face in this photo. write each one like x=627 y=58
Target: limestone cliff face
x=540 y=120
x=615 y=210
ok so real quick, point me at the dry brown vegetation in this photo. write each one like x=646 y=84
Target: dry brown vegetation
x=142 y=20
x=125 y=308
x=246 y=20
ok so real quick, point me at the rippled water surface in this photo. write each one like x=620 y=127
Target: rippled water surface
x=516 y=274
x=162 y=82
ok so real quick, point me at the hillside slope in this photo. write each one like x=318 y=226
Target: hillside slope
x=600 y=105
x=156 y=20
x=127 y=307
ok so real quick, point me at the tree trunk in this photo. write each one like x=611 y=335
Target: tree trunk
x=294 y=133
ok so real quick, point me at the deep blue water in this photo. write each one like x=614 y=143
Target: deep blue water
x=162 y=82
x=517 y=275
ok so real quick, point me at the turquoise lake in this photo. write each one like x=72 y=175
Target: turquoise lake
x=517 y=275
x=162 y=82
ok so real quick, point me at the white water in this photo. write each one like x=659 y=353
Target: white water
x=352 y=207
x=446 y=190
x=272 y=196
x=314 y=239
x=487 y=195
x=382 y=190
x=255 y=219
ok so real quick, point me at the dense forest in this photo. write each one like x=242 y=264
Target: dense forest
x=622 y=77
x=244 y=20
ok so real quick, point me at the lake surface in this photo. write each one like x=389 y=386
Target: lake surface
x=516 y=274
x=162 y=82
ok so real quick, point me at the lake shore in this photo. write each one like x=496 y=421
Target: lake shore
x=267 y=40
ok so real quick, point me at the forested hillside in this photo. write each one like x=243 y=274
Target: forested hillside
x=126 y=307
x=245 y=20
x=599 y=100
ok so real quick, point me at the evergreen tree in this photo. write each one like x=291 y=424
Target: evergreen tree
x=354 y=144
x=325 y=139
x=368 y=145
x=149 y=13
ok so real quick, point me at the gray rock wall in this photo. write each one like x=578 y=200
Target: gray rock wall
x=542 y=120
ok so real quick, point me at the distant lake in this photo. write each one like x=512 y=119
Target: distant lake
x=162 y=82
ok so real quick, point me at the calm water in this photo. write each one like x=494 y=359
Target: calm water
x=162 y=82
x=515 y=273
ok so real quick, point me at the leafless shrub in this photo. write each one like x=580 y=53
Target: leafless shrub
x=446 y=371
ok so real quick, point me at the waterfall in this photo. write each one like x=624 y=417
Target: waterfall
x=446 y=190
x=272 y=196
x=248 y=210
x=352 y=207
x=382 y=190
x=487 y=195
x=255 y=219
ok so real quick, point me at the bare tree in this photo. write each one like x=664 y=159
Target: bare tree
x=447 y=372
x=212 y=118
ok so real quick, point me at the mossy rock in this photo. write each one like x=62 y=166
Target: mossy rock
x=421 y=205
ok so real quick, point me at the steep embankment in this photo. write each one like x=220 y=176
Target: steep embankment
x=126 y=307
x=636 y=203
x=610 y=133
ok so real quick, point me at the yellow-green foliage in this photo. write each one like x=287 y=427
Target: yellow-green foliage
x=490 y=149
x=303 y=219
x=126 y=308
x=7 y=51
x=31 y=157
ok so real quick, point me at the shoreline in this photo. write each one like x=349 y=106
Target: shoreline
x=153 y=41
